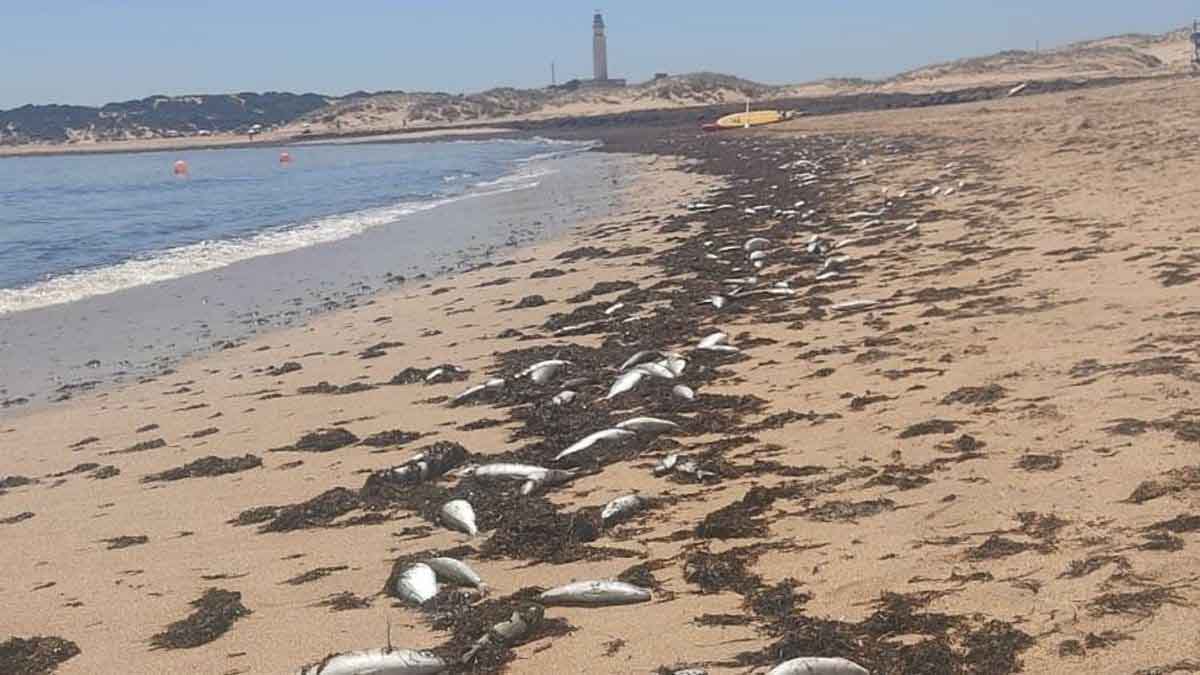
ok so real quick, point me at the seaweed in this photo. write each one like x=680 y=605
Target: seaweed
x=214 y=613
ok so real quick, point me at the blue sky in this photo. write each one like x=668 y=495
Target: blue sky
x=93 y=51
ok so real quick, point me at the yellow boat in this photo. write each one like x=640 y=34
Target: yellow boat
x=752 y=119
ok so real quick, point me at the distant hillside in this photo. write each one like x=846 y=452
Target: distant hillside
x=154 y=117
x=286 y=115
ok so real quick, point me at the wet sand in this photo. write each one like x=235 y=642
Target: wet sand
x=987 y=470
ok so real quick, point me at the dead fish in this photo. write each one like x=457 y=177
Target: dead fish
x=434 y=374
x=658 y=370
x=615 y=308
x=604 y=435
x=756 y=244
x=813 y=665
x=524 y=472
x=683 y=392
x=621 y=508
x=666 y=464
x=542 y=371
x=563 y=397
x=494 y=383
x=717 y=301
x=757 y=255
x=648 y=425
x=625 y=382
x=424 y=466
x=458 y=572
x=417 y=584
x=458 y=514
x=639 y=358
x=851 y=304
x=594 y=594
x=509 y=631
x=378 y=662
x=675 y=363
x=713 y=340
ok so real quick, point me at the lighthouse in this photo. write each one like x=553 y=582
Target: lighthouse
x=599 y=50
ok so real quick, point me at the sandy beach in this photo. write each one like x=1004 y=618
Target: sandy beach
x=956 y=434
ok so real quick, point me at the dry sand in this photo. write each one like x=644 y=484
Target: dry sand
x=993 y=442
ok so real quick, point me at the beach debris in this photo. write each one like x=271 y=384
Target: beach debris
x=563 y=397
x=717 y=301
x=626 y=382
x=683 y=392
x=384 y=661
x=594 y=594
x=648 y=425
x=426 y=465
x=813 y=665
x=508 y=632
x=458 y=514
x=717 y=342
x=675 y=463
x=417 y=584
x=35 y=655
x=214 y=614
x=621 y=508
x=604 y=435
x=457 y=572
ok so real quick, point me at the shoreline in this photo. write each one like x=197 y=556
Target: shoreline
x=204 y=312
x=965 y=439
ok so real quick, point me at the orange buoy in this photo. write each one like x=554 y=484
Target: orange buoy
x=181 y=168
x=285 y=158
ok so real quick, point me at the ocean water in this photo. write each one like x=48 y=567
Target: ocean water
x=112 y=269
x=77 y=226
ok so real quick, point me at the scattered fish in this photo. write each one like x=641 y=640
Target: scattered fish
x=683 y=392
x=378 y=662
x=757 y=243
x=648 y=425
x=543 y=371
x=458 y=572
x=655 y=369
x=639 y=358
x=458 y=514
x=604 y=435
x=813 y=665
x=594 y=594
x=417 y=584
x=622 y=508
x=625 y=382
x=563 y=397
x=424 y=466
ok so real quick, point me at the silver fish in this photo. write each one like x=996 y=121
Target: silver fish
x=543 y=371
x=594 y=594
x=658 y=370
x=417 y=584
x=457 y=514
x=625 y=382
x=666 y=464
x=851 y=305
x=378 y=662
x=614 y=308
x=457 y=571
x=713 y=340
x=493 y=383
x=756 y=244
x=512 y=471
x=622 y=507
x=639 y=358
x=563 y=398
x=648 y=425
x=588 y=441
x=812 y=665
x=675 y=363
x=683 y=392
x=757 y=255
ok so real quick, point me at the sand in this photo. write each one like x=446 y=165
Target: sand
x=993 y=442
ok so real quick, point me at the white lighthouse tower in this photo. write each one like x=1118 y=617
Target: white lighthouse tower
x=599 y=50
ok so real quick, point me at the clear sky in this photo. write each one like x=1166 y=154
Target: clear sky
x=94 y=51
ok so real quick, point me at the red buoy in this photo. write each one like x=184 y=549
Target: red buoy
x=285 y=158
x=181 y=168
